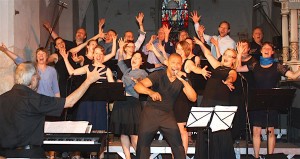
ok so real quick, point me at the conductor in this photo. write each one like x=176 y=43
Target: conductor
x=23 y=111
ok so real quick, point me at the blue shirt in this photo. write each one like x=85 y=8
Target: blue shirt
x=128 y=74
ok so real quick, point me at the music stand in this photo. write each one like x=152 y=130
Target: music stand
x=270 y=99
x=109 y=92
x=212 y=118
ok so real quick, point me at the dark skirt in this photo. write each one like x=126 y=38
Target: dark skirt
x=94 y=112
x=182 y=108
x=259 y=118
x=221 y=145
x=125 y=116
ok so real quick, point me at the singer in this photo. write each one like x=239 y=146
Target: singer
x=183 y=105
x=244 y=81
x=267 y=73
x=217 y=92
x=158 y=112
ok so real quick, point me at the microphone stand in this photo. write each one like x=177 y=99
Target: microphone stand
x=62 y=6
x=248 y=128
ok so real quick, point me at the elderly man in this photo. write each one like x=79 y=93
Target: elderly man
x=23 y=111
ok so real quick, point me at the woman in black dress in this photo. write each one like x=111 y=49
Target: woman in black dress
x=267 y=74
x=217 y=92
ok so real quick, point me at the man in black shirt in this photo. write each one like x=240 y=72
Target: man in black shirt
x=23 y=111
x=158 y=112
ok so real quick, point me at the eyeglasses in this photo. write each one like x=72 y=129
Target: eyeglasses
x=130 y=46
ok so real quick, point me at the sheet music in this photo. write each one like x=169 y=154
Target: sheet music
x=199 y=116
x=222 y=118
x=66 y=127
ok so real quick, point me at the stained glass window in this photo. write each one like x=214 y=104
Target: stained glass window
x=175 y=14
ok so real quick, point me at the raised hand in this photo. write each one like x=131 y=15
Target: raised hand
x=47 y=26
x=139 y=18
x=201 y=30
x=101 y=22
x=76 y=58
x=197 y=41
x=240 y=48
x=166 y=29
x=121 y=43
x=194 y=16
x=63 y=53
x=214 y=42
x=153 y=37
x=161 y=47
x=3 y=48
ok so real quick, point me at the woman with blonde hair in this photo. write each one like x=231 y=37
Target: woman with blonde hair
x=217 y=92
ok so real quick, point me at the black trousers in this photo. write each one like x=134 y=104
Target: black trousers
x=153 y=120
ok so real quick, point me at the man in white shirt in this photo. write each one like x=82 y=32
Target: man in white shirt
x=223 y=39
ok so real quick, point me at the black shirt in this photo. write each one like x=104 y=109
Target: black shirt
x=255 y=50
x=168 y=90
x=22 y=116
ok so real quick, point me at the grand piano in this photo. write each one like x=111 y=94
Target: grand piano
x=73 y=142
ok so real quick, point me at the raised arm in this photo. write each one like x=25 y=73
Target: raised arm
x=71 y=71
x=191 y=67
x=81 y=46
x=48 y=27
x=161 y=58
x=216 y=44
x=200 y=33
x=194 y=16
x=167 y=31
x=100 y=28
x=113 y=50
x=240 y=50
x=11 y=55
x=211 y=59
x=142 y=34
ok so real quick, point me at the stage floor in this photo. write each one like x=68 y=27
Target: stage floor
x=160 y=149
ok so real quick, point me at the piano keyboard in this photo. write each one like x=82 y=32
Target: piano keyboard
x=73 y=142
x=82 y=141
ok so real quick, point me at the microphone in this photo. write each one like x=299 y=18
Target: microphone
x=242 y=76
x=182 y=76
x=256 y=5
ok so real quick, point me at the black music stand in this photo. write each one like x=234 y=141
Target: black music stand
x=270 y=99
x=212 y=119
x=106 y=92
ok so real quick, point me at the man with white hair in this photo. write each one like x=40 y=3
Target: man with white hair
x=23 y=111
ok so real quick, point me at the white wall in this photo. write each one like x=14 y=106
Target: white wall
x=7 y=37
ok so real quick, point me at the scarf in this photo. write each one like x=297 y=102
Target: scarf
x=266 y=61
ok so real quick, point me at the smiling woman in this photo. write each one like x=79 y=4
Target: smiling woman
x=267 y=73
x=48 y=84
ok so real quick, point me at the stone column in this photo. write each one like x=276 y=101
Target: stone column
x=285 y=33
x=294 y=46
